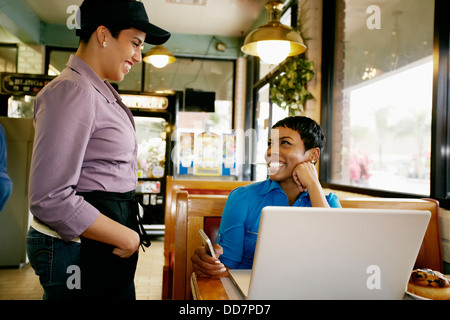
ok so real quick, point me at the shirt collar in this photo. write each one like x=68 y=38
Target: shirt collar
x=273 y=185
x=103 y=87
x=269 y=186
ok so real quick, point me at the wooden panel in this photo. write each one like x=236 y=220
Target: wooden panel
x=193 y=187
x=179 y=262
x=211 y=226
x=430 y=254
x=191 y=213
x=208 y=288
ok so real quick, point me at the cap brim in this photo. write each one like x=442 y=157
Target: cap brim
x=155 y=35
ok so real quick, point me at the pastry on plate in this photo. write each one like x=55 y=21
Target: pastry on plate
x=429 y=284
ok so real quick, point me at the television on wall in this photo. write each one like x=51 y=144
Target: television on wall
x=199 y=101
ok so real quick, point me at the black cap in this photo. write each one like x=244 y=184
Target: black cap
x=132 y=13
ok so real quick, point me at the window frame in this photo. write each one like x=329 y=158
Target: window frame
x=256 y=84
x=440 y=143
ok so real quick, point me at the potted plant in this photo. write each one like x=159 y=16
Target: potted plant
x=289 y=87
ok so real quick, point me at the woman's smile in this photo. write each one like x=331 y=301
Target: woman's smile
x=128 y=65
x=275 y=166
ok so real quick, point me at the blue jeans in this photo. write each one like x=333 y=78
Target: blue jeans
x=53 y=260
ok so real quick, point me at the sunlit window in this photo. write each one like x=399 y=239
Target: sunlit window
x=383 y=95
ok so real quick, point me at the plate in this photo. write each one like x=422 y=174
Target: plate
x=416 y=297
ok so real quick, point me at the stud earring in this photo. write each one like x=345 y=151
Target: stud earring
x=104 y=44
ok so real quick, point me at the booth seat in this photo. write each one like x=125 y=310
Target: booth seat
x=192 y=187
x=197 y=211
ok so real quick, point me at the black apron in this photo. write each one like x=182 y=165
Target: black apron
x=105 y=275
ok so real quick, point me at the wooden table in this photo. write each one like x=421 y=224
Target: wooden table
x=213 y=288
x=223 y=289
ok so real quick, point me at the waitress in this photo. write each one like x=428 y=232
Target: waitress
x=84 y=238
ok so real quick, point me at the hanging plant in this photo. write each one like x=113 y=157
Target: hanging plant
x=289 y=87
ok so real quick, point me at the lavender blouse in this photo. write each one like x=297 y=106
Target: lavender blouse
x=84 y=141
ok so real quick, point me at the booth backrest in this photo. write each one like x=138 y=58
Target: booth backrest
x=430 y=254
x=192 y=187
x=193 y=210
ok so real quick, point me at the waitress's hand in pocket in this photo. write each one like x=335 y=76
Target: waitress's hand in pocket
x=130 y=247
x=124 y=240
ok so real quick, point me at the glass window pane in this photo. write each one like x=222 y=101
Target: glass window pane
x=262 y=133
x=58 y=60
x=383 y=95
x=278 y=113
x=132 y=80
x=199 y=75
x=151 y=135
x=8 y=58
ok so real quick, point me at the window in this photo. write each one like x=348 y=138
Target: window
x=8 y=57
x=261 y=133
x=57 y=60
x=200 y=75
x=379 y=115
x=266 y=114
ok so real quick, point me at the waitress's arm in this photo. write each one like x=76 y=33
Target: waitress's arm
x=125 y=240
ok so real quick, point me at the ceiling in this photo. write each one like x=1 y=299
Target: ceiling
x=195 y=31
x=232 y=18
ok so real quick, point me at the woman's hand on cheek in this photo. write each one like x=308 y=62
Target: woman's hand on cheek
x=304 y=174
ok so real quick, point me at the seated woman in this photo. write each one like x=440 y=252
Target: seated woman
x=293 y=149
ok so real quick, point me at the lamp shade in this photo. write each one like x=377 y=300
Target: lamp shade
x=159 y=56
x=274 y=36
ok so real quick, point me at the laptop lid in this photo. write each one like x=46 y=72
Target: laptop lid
x=323 y=253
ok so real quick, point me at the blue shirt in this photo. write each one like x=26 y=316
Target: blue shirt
x=239 y=226
x=5 y=181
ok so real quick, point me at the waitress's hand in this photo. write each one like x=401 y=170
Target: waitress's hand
x=124 y=240
x=206 y=266
x=128 y=249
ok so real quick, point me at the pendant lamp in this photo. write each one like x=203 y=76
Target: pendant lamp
x=273 y=42
x=159 y=56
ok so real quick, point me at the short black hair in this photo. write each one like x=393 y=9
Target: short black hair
x=114 y=28
x=310 y=131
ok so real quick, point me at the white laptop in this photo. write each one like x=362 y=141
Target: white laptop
x=319 y=253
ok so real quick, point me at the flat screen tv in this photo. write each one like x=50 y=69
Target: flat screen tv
x=199 y=101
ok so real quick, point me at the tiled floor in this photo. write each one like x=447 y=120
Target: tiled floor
x=23 y=284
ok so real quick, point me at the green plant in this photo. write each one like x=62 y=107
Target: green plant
x=289 y=87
